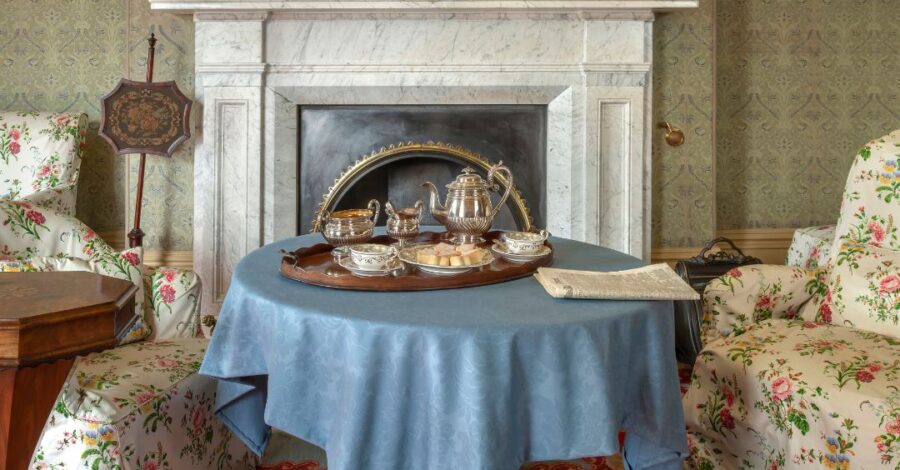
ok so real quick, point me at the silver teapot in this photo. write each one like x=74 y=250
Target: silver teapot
x=467 y=212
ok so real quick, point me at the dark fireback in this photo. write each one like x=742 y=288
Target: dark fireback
x=333 y=137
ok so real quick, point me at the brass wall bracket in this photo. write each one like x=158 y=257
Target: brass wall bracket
x=674 y=135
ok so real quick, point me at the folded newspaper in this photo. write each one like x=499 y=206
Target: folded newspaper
x=654 y=282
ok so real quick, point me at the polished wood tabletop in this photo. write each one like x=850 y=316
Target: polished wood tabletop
x=46 y=319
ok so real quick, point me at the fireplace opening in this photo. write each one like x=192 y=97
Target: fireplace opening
x=333 y=138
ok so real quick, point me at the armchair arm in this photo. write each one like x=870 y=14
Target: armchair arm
x=28 y=230
x=751 y=294
x=60 y=199
x=811 y=247
x=173 y=303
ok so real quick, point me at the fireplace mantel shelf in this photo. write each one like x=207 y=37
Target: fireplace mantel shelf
x=560 y=6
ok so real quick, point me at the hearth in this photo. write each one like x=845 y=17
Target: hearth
x=332 y=139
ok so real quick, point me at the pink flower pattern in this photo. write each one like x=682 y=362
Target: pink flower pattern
x=781 y=388
x=889 y=284
x=168 y=293
x=132 y=258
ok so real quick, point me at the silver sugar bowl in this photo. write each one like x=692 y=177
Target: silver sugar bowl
x=349 y=226
x=403 y=224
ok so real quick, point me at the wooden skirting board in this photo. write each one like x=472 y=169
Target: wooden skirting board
x=768 y=244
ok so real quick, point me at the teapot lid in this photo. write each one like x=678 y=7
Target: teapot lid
x=468 y=179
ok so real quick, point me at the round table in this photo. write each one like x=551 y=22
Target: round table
x=477 y=378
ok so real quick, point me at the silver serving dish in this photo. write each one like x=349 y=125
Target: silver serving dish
x=467 y=211
x=408 y=256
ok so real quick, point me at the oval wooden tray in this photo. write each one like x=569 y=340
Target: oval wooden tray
x=315 y=265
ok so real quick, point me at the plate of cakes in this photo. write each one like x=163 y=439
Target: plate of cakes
x=444 y=258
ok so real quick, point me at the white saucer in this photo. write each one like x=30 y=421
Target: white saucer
x=388 y=269
x=503 y=252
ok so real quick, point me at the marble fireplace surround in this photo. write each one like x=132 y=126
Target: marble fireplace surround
x=588 y=61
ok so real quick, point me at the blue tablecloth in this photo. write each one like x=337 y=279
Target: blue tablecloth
x=478 y=378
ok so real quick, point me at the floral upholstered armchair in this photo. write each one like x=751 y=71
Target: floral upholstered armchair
x=804 y=370
x=140 y=405
x=40 y=155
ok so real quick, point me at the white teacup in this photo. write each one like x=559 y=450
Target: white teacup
x=372 y=256
x=524 y=243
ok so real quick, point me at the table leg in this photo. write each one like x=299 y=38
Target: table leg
x=27 y=395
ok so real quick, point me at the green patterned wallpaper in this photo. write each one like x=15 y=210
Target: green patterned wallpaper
x=63 y=55
x=683 y=181
x=801 y=86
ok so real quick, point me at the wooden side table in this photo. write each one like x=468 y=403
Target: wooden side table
x=46 y=319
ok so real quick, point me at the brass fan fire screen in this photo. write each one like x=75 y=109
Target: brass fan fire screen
x=402 y=151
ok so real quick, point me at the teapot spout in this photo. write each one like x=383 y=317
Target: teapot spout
x=437 y=210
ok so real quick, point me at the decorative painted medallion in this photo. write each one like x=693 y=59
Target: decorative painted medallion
x=139 y=117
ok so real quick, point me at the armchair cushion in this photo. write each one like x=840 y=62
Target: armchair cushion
x=139 y=406
x=750 y=294
x=793 y=394
x=811 y=247
x=40 y=157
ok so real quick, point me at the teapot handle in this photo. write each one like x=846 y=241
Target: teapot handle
x=389 y=209
x=377 y=210
x=420 y=209
x=499 y=168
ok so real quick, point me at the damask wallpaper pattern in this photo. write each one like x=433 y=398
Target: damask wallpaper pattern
x=63 y=55
x=801 y=86
x=683 y=179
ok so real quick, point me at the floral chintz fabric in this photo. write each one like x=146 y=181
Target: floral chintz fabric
x=40 y=157
x=747 y=295
x=811 y=247
x=801 y=368
x=173 y=303
x=794 y=394
x=865 y=294
x=143 y=407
